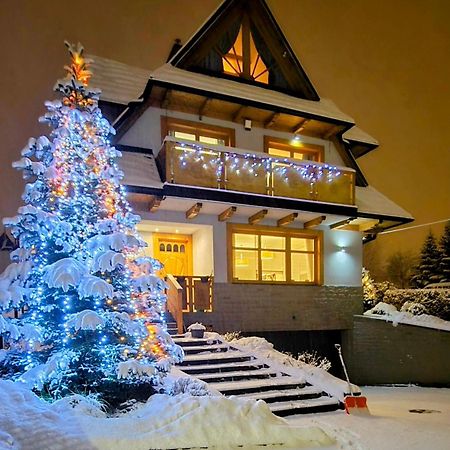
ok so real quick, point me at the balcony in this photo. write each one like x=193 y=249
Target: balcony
x=211 y=166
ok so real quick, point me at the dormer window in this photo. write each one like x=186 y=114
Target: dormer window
x=243 y=60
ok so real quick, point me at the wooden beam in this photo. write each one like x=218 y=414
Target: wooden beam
x=300 y=126
x=154 y=203
x=237 y=116
x=332 y=131
x=252 y=220
x=314 y=222
x=165 y=102
x=341 y=223
x=286 y=220
x=271 y=120
x=204 y=107
x=193 y=211
x=227 y=214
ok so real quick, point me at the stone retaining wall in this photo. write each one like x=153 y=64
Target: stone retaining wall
x=379 y=353
x=256 y=307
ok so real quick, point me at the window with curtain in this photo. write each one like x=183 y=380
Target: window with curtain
x=243 y=60
x=274 y=255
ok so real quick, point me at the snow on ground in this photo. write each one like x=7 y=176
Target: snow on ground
x=389 y=313
x=164 y=422
x=390 y=426
x=28 y=423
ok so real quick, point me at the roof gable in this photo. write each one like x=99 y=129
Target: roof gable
x=207 y=50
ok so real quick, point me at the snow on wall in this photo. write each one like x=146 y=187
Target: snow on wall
x=146 y=133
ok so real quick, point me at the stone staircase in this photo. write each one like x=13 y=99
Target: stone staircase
x=232 y=371
x=171 y=324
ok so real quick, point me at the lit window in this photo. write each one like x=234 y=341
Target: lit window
x=274 y=255
x=181 y=135
x=293 y=149
x=245 y=63
x=193 y=131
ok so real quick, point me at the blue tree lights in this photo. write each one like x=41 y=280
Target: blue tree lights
x=93 y=303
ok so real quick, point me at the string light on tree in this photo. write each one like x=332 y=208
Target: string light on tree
x=94 y=319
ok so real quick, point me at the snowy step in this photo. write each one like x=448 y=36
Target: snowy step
x=224 y=367
x=213 y=348
x=193 y=342
x=320 y=404
x=237 y=375
x=305 y=393
x=243 y=387
x=175 y=337
x=215 y=358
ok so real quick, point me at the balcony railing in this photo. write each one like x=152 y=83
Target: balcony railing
x=215 y=166
x=197 y=293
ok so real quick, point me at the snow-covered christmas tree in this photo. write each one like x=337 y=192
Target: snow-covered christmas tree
x=93 y=304
x=427 y=270
x=444 y=265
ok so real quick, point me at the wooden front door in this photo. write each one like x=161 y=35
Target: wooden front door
x=174 y=251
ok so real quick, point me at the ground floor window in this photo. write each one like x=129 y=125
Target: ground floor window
x=274 y=255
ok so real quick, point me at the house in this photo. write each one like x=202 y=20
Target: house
x=247 y=180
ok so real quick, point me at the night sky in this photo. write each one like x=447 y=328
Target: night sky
x=385 y=63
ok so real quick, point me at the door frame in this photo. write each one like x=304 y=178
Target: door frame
x=175 y=238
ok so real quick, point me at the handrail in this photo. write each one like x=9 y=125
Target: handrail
x=175 y=301
x=259 y=155
x=194 y=163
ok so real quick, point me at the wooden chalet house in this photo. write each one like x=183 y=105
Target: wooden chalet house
x=247 y=180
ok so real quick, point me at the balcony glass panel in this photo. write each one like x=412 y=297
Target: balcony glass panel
x=204 y=164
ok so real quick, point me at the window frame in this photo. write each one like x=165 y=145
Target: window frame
x=316 y=235
x=302 y=147
x=198 y=128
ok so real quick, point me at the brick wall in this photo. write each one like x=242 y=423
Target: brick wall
x=379 y=353
x=257 y=307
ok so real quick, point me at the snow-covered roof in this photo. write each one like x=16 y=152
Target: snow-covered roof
x=140 y=170
x=323 y=108
x=370 y=201
x=119 y=82
x=122 y=83
x=355 y=134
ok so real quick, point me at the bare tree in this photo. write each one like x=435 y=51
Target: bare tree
x=372 y=261
x=400 y=267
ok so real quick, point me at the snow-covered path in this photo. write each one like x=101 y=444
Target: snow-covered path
x=391 y=426
x=27 y=423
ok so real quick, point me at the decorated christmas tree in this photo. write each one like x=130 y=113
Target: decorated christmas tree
x=92 y=304
x=444 y=265
x=427 y=270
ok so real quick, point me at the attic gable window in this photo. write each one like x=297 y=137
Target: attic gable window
x=243 y=60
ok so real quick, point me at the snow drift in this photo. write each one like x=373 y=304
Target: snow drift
x=27 y=422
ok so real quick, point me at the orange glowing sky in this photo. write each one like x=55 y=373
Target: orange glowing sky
x=385 y=63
